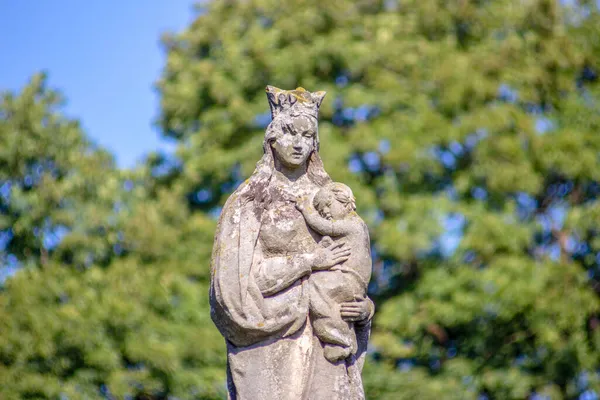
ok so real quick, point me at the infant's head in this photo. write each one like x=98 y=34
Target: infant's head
x=334 y=201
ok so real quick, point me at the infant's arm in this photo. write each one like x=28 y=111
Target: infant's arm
x=324 y=226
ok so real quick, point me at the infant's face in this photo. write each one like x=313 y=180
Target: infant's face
x=331 y=208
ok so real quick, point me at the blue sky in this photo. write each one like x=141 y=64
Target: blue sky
x=103 y=55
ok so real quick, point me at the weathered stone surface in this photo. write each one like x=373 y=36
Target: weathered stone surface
x=290 y=269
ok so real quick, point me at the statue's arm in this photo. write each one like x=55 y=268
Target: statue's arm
x=274 y=274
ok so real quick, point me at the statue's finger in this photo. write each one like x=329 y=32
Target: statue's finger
x=338 y=253
x=340 y=259
x=343 y=249
x=338 y=244
x=351 y=306
x=342 y=254
x=350 y=314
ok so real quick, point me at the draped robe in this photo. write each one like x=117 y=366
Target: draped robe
x=259 y=302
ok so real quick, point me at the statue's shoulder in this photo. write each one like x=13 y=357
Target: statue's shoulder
x=230 y=212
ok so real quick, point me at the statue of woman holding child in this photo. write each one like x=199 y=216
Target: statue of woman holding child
x=290 y=269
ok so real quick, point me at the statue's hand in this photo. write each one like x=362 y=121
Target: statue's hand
x=327 y=257
x=358 y=310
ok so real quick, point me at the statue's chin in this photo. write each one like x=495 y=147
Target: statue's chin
x=293 y=163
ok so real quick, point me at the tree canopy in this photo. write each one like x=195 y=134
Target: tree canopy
x=469 y=132
x=110 y=298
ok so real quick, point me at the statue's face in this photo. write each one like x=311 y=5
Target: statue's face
x=296 y=142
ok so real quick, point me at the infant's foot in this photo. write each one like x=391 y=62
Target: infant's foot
x=335 y=353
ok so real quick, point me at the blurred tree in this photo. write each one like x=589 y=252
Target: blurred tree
x=134 y=329
x=111 y=297
x=469 y=133
x=50 y=177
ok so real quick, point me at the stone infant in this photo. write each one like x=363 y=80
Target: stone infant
x=334 y=217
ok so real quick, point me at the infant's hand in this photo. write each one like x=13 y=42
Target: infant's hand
x=301 y=203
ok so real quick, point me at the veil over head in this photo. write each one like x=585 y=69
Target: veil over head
x=237 y=305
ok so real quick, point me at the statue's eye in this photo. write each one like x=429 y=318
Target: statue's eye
x=308 y=133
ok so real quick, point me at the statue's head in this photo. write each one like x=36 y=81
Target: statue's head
x=292 y=138
x=293 y=134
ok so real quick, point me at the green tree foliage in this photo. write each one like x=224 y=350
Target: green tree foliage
x=50 y=177
x=131 y=330
x=468 y=130
x=117 y=306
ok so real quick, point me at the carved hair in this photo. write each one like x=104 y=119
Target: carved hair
x=341 y=193
x=286 y=105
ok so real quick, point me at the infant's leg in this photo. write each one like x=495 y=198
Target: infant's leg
x=337 y=336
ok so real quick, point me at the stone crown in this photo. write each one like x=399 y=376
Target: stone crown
x=298 y=99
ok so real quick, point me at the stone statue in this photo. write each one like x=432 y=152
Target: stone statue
x=290 y=268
